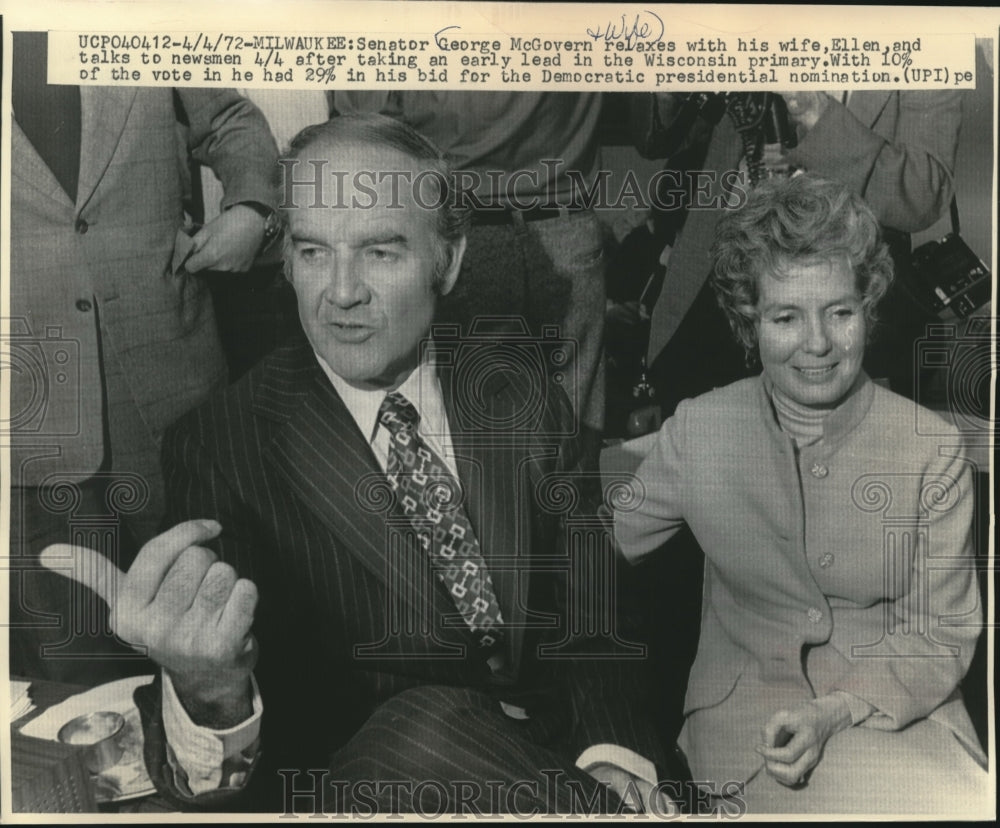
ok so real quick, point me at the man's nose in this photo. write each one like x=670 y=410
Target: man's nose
x=346 y=287
x=817 y=336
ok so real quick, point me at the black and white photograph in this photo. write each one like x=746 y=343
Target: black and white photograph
x=424 y=410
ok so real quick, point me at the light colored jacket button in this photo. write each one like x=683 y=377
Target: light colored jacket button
x=826 y=559
x=814 y=615
x=819 y=470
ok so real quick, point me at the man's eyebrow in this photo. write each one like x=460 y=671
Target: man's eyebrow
x=367 y=241
x=307 y=239
x=385 y=238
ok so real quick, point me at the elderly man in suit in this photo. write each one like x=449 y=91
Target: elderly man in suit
x=431 y=634
x=112 y=336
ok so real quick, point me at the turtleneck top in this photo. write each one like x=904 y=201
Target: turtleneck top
x=803 y=423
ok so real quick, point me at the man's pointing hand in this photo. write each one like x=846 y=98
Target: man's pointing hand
x=188 y=611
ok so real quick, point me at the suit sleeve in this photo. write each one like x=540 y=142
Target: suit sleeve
x=231 y=135
x=930 y=631
x=195 y=489
x=906 y=178
x=657 y=513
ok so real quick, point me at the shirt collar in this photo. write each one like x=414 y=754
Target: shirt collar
x=422 y=388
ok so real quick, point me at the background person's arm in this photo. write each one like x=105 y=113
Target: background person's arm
x=906 y=177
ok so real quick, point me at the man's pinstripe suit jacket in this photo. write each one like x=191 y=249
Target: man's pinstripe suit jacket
x=348 y=615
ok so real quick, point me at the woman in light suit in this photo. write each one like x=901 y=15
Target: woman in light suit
x=840 y=608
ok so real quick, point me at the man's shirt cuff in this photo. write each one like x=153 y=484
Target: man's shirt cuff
x=621 y=757
x=209 y=759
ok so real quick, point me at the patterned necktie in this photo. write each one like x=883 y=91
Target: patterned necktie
x=431 y=498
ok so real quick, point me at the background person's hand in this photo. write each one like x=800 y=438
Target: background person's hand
x=793 y=740
x=229 y=242
x=627 y=314
x=805 y=108
x=186 y=609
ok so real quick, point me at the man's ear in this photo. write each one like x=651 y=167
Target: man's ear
x=455 y=251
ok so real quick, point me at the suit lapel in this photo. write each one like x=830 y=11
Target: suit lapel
x=868 y=106
x=104 y=111
x=29 y=167
x=688 y=269
x=324 y=459
x=329 y=465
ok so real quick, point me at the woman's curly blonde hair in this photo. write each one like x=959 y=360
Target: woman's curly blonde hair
x=800 y=220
